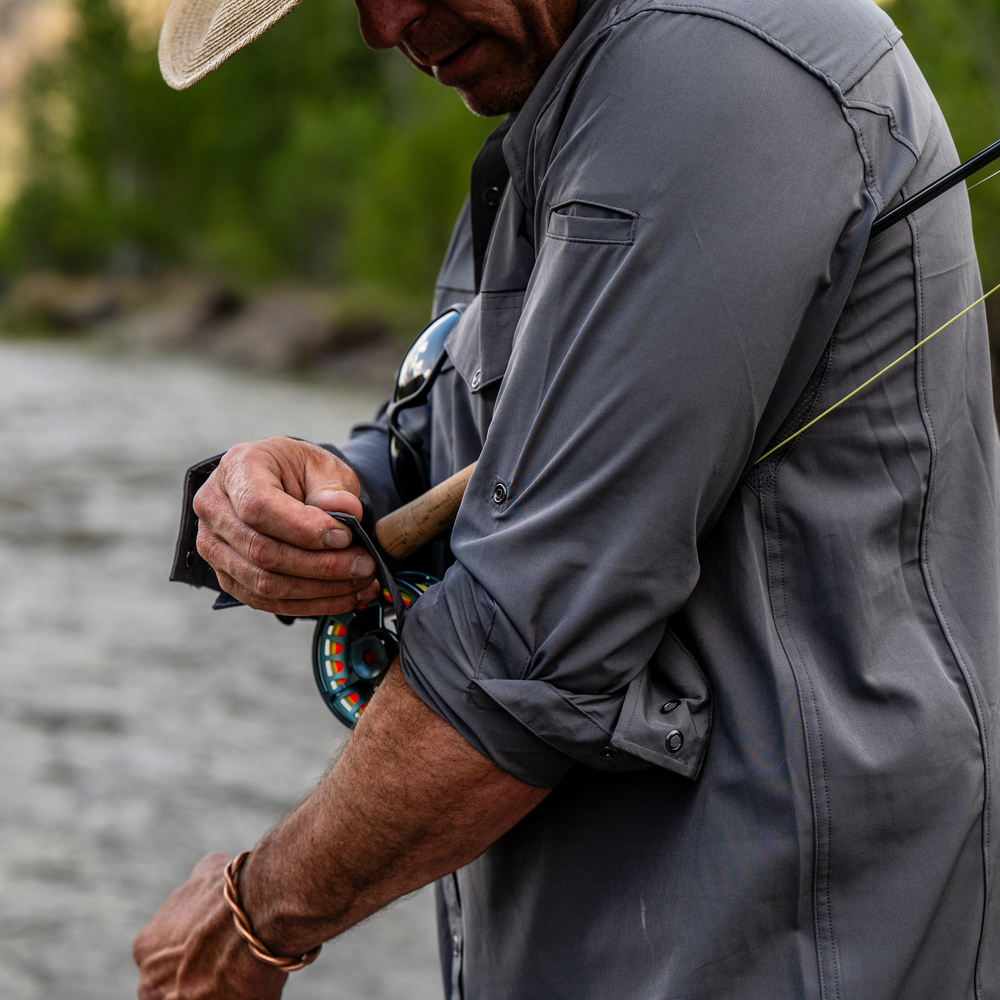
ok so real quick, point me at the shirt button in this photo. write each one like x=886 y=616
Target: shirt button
x=607 y=753
x=491 y=196
x=669 y=707
x=189 y=558
x=499 y=493
x=456 y=946
x=477 y=377
x=675 y=740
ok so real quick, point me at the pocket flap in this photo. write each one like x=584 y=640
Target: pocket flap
x=480 y=344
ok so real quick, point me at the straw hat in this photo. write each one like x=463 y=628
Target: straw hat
x=200 y=35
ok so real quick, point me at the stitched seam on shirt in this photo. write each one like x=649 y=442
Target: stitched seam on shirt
x=501 y=301
x=943 y=620
x=886 y=112
x=869 y=171
x=581 y=239
x=724 y=15
x=477 y=673
x=812 y=779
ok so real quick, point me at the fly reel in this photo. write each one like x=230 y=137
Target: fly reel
x=352 y=651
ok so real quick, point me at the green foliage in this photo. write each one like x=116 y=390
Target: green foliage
x=957 y=45
x=307 y=156
x=310 y=157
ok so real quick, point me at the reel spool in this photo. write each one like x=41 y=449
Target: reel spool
x=352 y=651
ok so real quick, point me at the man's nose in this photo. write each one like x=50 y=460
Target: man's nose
x=384 y=21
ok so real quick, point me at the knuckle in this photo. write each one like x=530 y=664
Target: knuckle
x=258 y=550
x=249 y=505
x=268 y=585
x=206 y=544
x=202 y=502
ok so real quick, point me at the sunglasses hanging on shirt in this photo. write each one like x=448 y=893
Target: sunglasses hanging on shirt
x=416 y=376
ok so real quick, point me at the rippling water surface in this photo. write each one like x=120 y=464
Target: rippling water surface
x=138 y=729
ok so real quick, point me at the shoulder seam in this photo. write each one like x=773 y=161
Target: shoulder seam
x=887 y=39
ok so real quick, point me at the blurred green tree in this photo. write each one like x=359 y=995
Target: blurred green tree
x=957 y=45
x=307 y=156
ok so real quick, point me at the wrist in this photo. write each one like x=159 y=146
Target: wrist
x=274 y=937
x=286 y=899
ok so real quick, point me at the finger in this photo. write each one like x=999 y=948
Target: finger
x=267 y=484
x=267 y=510
x=268 y=553
x=269 y=585
x=299 y=608
x=271 y=511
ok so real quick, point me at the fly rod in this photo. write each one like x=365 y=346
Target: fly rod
x=938 y=187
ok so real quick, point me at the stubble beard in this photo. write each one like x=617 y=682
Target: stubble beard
x=506 y=97
x=506 y=89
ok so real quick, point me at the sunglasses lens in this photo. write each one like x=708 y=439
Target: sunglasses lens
x=424 y=354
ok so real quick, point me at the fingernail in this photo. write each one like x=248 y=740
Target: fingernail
x=362 y=566
x=337 y=538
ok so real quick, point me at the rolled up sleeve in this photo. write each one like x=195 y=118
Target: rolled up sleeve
x=689 y=233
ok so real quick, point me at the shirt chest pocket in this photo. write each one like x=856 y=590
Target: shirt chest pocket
x=590 y=222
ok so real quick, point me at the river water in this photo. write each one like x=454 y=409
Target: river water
x=139 y=729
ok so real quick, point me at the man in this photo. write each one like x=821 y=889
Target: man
x=685 y=722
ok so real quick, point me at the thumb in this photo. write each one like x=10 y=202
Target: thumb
x=331 y=484
x=335 y=498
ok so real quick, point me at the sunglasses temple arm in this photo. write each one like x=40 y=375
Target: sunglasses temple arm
x=405 y=530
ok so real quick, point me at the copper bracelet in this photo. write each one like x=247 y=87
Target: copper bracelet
x=258 y=949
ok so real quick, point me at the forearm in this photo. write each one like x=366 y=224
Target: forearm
x=407 y=802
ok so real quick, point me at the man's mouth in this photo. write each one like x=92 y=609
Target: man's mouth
x=453 y=67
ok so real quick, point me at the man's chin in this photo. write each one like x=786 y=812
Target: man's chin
x=495 y=97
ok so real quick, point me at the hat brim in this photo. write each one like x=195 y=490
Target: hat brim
x=198 y=36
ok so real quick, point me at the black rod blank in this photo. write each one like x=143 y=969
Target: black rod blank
x=929 y=193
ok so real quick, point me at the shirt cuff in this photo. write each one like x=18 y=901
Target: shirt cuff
x=466 y=661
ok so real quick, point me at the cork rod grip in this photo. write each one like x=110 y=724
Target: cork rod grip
x=403 y=531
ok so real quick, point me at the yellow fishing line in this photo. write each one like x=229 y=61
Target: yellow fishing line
x=892 y=364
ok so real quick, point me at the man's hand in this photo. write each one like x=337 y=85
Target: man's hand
x=190 y=950
x=263 y=529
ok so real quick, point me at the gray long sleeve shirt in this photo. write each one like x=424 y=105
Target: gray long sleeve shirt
x=767 y=694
